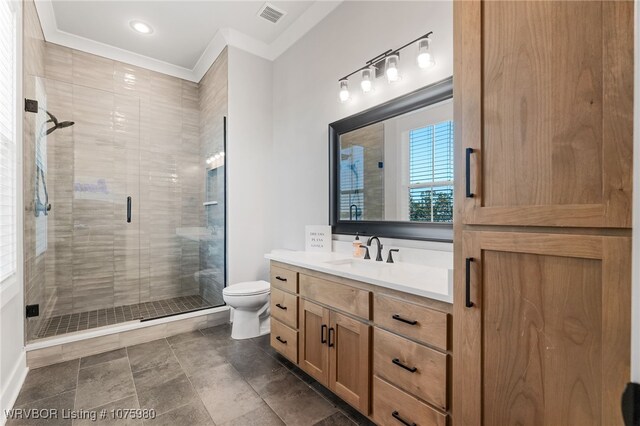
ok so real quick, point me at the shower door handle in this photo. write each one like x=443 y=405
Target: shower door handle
x=129 y=209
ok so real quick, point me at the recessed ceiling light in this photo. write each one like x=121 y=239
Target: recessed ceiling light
x=141 y=27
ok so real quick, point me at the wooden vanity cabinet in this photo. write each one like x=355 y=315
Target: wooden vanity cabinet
x=334 y=350
x=361 y=343
x=546 y=336
x=313 y=354
x=544 y=101
x=349 y=360
x=543 y=108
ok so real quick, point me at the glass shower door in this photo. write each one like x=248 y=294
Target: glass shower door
x=82 y=149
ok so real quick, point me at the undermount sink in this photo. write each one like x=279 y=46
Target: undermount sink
x=360 y=264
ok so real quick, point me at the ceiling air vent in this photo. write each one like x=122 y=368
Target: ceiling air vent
x=271 y=13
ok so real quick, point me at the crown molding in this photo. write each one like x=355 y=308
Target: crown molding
x=224 y=37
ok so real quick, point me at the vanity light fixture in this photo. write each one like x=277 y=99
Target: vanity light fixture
x=392 y=72
x=387 y=63
x=425 y=58
x=366 y=84
x=141 y=27
x=344 y=90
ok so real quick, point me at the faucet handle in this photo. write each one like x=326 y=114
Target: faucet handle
x=390 y=256
x=366 y=254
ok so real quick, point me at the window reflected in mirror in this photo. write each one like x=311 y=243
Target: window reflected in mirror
x=400 y=169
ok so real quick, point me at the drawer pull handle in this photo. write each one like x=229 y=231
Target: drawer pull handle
x=331 y=331
x=468 y=303
x=406 y=321
x=397 y=362
x=323 y=330
x=467 y=164
x=279 y=278
x=284 y=308
x=279 y=339
x=396 y=416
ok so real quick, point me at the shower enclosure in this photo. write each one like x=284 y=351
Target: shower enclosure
x=124 y=207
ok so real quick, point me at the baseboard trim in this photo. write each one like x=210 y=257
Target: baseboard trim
x=12 y=387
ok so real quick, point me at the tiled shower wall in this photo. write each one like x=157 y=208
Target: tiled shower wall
x=213 y=107
x=140 y=133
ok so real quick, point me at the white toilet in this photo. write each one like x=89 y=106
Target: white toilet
x=250 y=303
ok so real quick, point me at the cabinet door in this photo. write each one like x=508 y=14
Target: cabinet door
x=544 y=337
x=544 y=98
x=349 y=360
x=313 y=355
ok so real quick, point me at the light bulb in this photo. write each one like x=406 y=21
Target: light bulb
x=141 y=27
x=344 y=91
x=366 y=83
x=392 y=68
x=425 y=58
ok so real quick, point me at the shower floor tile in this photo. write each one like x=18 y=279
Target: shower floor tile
x=69 y=323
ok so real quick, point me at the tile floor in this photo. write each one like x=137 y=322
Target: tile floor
x=69 y=323
x=197 y=378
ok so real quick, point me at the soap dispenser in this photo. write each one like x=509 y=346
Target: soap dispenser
x=358 y=251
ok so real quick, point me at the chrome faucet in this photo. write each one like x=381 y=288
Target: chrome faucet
x=379 y=255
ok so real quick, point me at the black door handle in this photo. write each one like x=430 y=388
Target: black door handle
x=406 y=321
x=284 y=308
x=279 y=339
x=468 y=303
x=323 y=329
x=129 y=209
x=279 y=278
x=397 y=362
x=468 y=153
x=331 y=331
x=396 y=416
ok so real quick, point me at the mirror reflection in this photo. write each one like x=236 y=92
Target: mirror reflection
x=400 y=169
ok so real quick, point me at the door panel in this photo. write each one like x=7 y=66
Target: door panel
x=349 y=360
x=550 y=316
x=549 y=118
x=313 y=353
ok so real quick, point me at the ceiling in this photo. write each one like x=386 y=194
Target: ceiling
x=187 y=35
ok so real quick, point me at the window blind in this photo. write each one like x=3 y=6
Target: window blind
x=351 y=182
x=7 y=140
x=431 y=173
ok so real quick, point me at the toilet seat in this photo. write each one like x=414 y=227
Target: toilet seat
x=249 y=288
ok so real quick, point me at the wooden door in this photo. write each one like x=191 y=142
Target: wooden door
x=349 y=360
x=313 y=352
x=544 y=98
x=546 y=339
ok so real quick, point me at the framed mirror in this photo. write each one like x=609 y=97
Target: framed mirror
x=391 y=167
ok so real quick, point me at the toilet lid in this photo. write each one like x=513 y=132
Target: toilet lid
x=247 y=288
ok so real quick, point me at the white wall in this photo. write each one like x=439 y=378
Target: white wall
x=250 y=167
x=13 y=366
x=305 y=96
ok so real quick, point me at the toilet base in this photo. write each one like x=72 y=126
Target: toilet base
x=248 y=324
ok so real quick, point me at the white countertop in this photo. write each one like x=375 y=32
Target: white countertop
x=434 y=281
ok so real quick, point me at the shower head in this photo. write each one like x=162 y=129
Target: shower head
x=57 y=125
x=64 y=124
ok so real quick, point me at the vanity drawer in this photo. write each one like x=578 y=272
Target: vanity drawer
x=284 y=279
x=414 y=321
x=391 y=404
x=284 y=340
x=342 y=297
x=284 y=307
x=417 y=369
